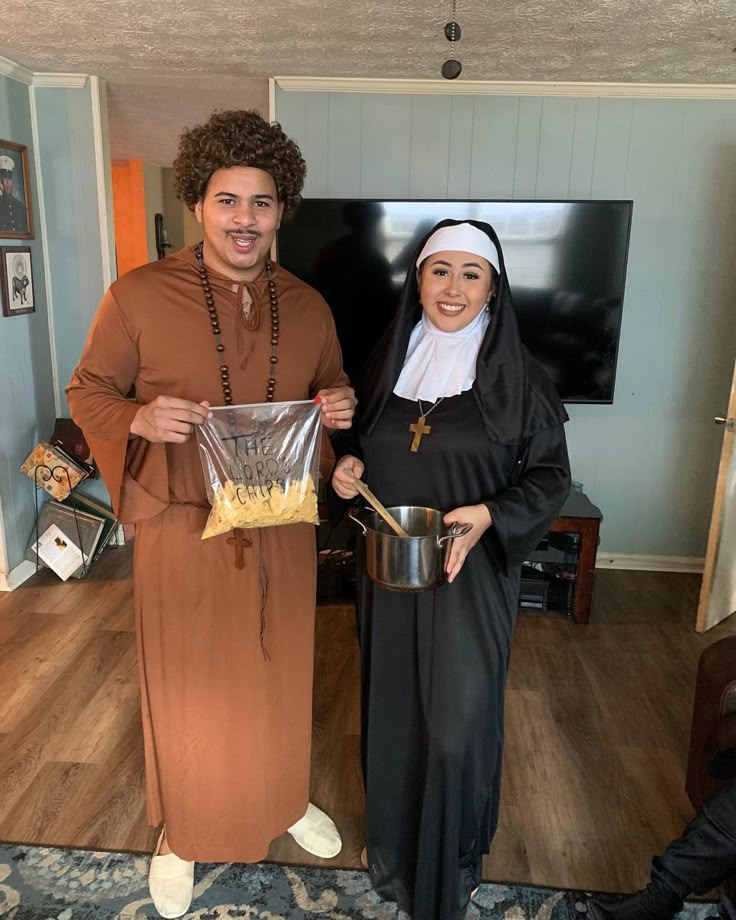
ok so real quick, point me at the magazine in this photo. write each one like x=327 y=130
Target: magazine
x=53 y=470
x=58 y=552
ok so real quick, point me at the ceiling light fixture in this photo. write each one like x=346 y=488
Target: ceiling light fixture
x=452 y=68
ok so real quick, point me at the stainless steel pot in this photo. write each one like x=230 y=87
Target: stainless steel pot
x=413 y=563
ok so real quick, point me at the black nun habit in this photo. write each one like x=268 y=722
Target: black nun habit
x=434 y=663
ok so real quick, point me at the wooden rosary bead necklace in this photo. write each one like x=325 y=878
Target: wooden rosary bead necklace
x=209 y=300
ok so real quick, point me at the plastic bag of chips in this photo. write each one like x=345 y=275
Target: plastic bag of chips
x=261 y=464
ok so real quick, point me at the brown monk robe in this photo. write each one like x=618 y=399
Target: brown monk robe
x=227 y=727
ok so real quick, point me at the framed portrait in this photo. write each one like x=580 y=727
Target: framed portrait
x=16 y=213
x=16 y=279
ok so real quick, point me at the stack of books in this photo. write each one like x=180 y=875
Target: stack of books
x=69 y=536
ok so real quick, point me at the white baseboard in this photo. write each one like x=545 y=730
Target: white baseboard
x=9 y=581
x=642 y=563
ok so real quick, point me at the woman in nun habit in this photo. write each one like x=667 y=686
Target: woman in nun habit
x=457 y=416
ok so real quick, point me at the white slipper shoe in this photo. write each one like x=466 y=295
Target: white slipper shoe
x=316 y=833
x=171 y=882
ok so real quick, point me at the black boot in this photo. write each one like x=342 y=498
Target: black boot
x=655 y=902
x=705 y=855
x=693 y=864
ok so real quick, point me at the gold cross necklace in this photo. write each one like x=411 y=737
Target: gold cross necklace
x=419 y=428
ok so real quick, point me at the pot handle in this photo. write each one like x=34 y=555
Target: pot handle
x=357 y=521
x=457 y=530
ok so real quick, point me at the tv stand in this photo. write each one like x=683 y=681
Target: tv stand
x=559 y=574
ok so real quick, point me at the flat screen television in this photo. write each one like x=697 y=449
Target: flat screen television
x=565 y=260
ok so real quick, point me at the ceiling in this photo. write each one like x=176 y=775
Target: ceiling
x=147 y=119
x=168 y=66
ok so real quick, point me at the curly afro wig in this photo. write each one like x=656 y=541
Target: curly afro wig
x=238 y=138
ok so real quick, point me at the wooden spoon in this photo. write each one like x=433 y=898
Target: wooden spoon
x=374 y=502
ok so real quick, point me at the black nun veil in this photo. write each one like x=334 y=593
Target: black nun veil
x=434 y=663
x=515 y=397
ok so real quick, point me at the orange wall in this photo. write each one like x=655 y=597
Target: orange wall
x=129 y=206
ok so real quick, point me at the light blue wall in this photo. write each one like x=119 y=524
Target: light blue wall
x=68 y=165
x=649 y=461
x=26 y=389
x=71 y=198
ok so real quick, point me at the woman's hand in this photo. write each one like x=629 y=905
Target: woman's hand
x=168 y=419
x=347 y=470
x=338 y=406
x=477 y=515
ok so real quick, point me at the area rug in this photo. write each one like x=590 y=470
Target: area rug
x=44 y=883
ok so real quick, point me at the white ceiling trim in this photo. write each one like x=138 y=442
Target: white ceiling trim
x=65 y=80
x=18 y=72
x=15 y=71
x=501 y=88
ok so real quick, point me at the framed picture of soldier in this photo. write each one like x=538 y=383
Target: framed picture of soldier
x=16 y=212
x=16 y=280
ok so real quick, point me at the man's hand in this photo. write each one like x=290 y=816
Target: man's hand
x=347 y=470
x=338 y=406
x=168 y=419
x=477 y=515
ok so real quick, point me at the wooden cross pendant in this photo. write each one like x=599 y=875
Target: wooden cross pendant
x=239 y=540
x=419 y=429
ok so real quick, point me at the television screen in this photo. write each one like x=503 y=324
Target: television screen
x=565 y=260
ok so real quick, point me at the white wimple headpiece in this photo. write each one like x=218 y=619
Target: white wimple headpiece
x=461 y=238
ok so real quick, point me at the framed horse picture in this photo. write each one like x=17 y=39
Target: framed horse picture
x=16 y=276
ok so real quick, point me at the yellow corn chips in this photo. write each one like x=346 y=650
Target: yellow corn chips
x=241 y=505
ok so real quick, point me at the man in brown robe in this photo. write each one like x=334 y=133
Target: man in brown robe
x=227 y=728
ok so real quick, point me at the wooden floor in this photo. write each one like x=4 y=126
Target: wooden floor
x=597 y=725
